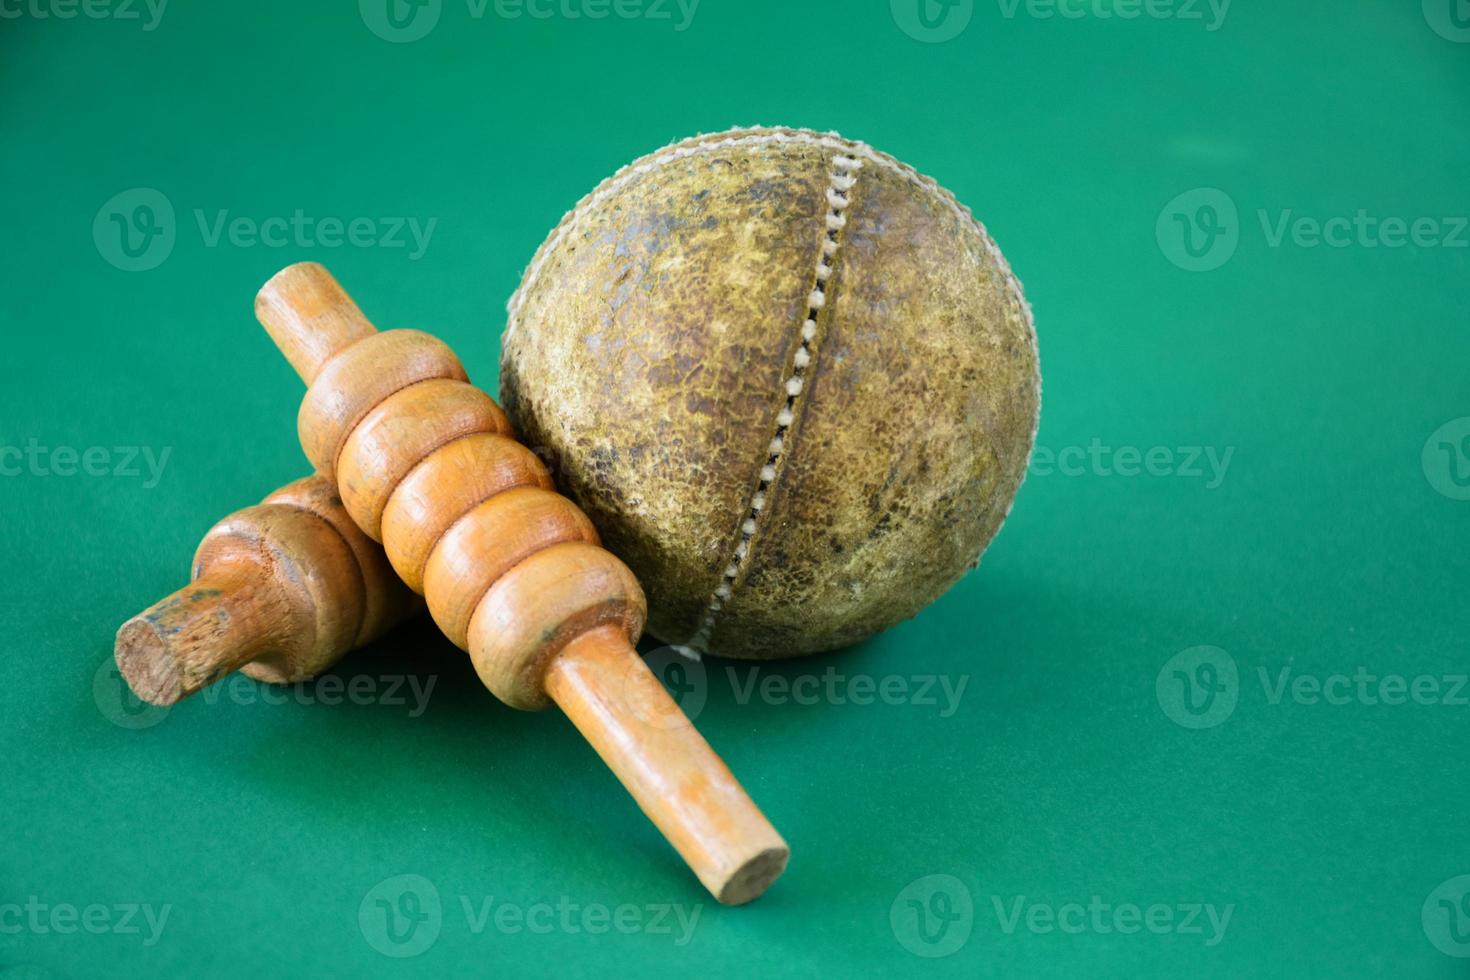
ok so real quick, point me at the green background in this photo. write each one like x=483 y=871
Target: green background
x=1328 y=546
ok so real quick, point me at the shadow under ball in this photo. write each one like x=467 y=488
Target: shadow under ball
x=793 y=383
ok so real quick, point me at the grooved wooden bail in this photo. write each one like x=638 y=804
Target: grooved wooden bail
x=677 y=779
x=310 y=318
x=282 y=591
x=513 y=572
x=194 y=637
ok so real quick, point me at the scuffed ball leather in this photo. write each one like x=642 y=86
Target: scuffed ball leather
x=794 y=384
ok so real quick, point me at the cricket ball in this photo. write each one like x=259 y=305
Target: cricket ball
x=793 y=382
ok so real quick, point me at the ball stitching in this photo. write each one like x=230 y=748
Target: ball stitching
x=841 y=181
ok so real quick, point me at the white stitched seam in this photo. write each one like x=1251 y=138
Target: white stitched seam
x=840 y=182
x=757 y=136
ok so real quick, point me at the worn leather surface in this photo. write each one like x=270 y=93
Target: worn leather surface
x=647 y=355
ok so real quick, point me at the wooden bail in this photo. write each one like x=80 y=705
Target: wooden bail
x=619 y=706
x=513 y=573
x=282 y=591
x=310 y=318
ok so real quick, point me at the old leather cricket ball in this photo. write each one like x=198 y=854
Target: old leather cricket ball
x=793 y=382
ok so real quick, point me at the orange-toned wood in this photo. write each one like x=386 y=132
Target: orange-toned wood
x=399 y=433
x=378 y=366
x=668 y=767
x=385 y=602
x=542 y=604
x=513 y=573
x=331 y=320
x=489 y=541
x=452 y=481
x=282 y=591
